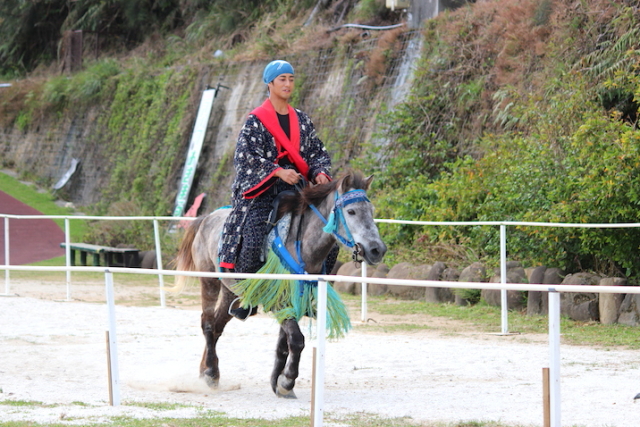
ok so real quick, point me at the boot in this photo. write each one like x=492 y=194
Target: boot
x=242 y=313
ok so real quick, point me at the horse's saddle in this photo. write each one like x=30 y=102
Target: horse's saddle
x=273 y=216
x=281 y=228
x=282 y=225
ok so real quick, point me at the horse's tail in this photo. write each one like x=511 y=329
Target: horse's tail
x=184 y=260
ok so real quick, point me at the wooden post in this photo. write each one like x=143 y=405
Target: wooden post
x=114 y=371
x=546 y=398
x=109 y=369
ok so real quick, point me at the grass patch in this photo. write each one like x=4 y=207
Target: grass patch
x=399 y=327
x=158 y=406
x=210 y=419
x=27 y=403
x=216 y=419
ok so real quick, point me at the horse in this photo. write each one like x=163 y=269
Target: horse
x=350 y=222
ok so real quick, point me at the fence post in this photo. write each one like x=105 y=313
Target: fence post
x=554 y=357
x=156 y=235
x=321 y=321
x=67 y=254
x=504 y=302
x=363 y=310
x=6 y=255
x=113 y=343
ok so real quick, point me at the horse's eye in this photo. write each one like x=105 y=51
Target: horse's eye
x=351 y=212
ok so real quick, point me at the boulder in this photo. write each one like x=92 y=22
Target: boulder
x=553 y=276
x=459 y=300
x=347 y=269
x=407 y=271
x=515 y=299
x=375 y=289
x=371 y=271
x=476 y=272
x=149 y=260
x=438 y=295
x=141 y=255
x=535 y=275
x=609 y=304
x=581 y=306
x=382 y=269
x=550 y=276
x=450 y=275
x=537 y=301
x=354 y=288
x=336 y=267
x=630 y=310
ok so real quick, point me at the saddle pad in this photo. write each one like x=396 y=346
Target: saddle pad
x=282 y=226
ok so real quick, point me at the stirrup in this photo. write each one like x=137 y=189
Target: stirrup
x=241 y=313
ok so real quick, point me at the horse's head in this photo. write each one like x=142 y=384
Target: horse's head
x=357 y=213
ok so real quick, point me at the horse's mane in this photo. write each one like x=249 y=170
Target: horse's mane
x=314 y=195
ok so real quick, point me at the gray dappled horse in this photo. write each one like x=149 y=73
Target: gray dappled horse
x=344 y=198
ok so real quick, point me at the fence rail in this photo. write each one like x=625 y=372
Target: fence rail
x=158 y=248
x=67 y=233
x=514 y=223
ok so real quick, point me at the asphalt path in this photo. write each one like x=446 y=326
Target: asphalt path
x=30 y=240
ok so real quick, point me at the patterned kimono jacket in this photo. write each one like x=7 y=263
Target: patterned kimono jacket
x=262 y=149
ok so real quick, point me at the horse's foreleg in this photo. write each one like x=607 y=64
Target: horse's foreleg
x=288 y=351
x=282 y=352
x=209 y=363
x=215 y=300
x=210 y=290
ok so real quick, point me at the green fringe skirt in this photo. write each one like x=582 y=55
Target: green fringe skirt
x=292 y=299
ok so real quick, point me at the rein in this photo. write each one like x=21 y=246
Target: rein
x=331 y=226
x=336 y=219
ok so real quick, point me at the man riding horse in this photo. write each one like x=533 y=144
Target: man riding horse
x=277 y=147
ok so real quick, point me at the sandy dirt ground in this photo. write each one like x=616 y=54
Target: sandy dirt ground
x=53 y=351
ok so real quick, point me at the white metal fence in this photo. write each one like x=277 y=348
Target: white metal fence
x=318 y=405
x=67 y=241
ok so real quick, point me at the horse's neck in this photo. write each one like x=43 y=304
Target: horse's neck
x=316 y=244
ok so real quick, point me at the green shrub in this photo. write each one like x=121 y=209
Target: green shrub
x=562 y=148
x=56 y=93
x=87 y=86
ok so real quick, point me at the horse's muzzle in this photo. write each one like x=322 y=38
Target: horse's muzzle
x=373 y=252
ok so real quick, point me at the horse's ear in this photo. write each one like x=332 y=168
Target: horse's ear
x=367 y=182
x=346 y=183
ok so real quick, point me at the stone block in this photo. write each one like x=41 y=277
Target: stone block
x=609 y=304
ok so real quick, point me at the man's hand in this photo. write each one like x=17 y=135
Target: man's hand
x=289 y=176
x=321 y=179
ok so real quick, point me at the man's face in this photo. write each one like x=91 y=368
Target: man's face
x=282 y=86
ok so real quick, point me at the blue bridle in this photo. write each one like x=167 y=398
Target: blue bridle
x=332 y=225
x=336 y=218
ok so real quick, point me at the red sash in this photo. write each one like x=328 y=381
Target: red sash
x=289 y=147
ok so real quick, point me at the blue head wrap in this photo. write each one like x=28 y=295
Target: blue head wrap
x=274 y=69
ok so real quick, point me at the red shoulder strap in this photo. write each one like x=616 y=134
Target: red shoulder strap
x=267 y=115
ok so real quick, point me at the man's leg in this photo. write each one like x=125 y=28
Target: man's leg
x=250 y=257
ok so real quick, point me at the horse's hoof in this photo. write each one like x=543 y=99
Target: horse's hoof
x=286 y=394
x=281 y=391
x=211 y=382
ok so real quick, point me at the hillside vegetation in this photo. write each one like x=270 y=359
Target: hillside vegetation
x=519 y=110
x=522 y=111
